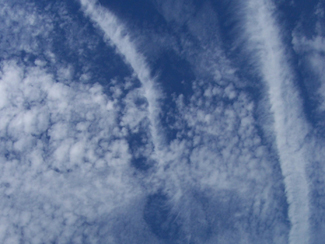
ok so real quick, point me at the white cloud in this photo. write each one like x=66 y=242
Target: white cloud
x=22 y=36
x=50 y=134
x=66 y=156
x=290 y=125
x=118 y=36
x=218 y=149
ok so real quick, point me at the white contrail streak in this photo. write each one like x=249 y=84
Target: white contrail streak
x=117 y=36
x=289 y=124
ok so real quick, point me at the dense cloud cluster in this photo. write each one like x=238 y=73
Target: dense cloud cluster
x=59 y=143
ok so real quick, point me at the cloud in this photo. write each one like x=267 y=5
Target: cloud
x=85 y=159
x=310 y=50
x=217 y=148
x=290 y=125
x=63 y=154
x=65 y=158
x=118 y=36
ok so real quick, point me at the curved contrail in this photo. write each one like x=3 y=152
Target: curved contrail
x=117 y=36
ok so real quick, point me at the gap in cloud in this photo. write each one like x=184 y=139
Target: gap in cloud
x=312 y=100
x=172 y=71
x=87 y=59
x=298 y=12
x=194 y=218
x=301 y=19
x=198 y=40
x=309 y=52
x=228 y=26
x=137 y=14
x=233 y=48
x=49 y=36
x=141 y=148
x=175 y=76
x=160 y=218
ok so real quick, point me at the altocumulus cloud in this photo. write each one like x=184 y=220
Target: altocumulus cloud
x=63 y=156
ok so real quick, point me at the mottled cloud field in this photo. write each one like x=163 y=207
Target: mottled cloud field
x=165 y=122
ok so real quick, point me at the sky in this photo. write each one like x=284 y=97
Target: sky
x=162 y=121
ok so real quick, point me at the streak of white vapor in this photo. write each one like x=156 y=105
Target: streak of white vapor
x=117 y=35
x=289 y=124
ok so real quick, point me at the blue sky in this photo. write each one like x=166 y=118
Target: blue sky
x=162 y=121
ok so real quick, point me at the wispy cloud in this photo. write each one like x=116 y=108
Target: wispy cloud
x=290 y=126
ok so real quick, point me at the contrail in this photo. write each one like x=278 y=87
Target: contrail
x=290 y=125
x=117 y=36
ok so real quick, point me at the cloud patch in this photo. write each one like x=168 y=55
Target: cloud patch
x=62 y=153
